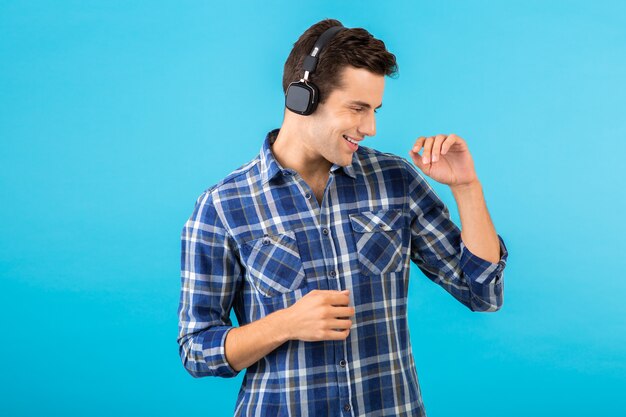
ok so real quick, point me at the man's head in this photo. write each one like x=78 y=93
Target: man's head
x=353 y=47
x=350 y=77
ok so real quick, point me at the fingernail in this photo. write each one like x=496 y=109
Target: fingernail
x=425 y=160
x=416 y=149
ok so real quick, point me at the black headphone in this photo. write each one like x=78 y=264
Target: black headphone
x=302 y=96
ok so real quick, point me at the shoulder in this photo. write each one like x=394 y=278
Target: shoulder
x=395 y=172
x=238 y=180
x=234 y=184
x=372 y=161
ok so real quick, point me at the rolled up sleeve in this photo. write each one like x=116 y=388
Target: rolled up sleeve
x=210 y=273
x=485 y=278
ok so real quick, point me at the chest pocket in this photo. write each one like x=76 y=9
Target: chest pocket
x=378 y=236
x=274 y=263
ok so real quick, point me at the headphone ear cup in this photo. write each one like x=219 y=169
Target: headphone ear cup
x=302 y=98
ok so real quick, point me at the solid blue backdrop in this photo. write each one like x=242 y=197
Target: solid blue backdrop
x=115 y=116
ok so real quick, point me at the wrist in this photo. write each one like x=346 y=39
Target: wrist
x=465 y=188
x=279 y=320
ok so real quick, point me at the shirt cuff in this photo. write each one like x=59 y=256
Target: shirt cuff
x=214 y=351
x=479 y=271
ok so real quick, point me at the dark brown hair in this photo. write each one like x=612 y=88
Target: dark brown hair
x=354 y=47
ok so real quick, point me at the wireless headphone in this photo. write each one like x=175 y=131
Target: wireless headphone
x=302 y=96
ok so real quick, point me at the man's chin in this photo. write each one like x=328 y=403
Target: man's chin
x=346 y=162
x=342 y=160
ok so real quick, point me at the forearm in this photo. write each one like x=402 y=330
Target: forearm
x=319 y=315
x=247 y=344
x=477 y=230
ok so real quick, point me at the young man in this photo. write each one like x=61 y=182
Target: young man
x=310 y=244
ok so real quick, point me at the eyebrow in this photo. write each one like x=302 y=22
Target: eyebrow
x=364 y=104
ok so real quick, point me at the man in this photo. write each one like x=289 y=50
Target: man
x=310 y=244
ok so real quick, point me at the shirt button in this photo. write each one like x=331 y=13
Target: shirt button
x=333 y=273
x=308 y=196
x=347 y=407
x=325 y=231
x=343 y=363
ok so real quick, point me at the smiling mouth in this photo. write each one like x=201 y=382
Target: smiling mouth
x=354 y=142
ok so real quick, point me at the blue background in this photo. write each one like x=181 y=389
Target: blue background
x=116 y=115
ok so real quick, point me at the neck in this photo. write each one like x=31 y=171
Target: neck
x=291 y=150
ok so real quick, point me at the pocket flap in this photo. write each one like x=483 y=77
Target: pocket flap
x=286 y=237
x=273 y=263
x=374 y=221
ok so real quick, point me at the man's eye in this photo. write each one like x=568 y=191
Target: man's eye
x=362 y=109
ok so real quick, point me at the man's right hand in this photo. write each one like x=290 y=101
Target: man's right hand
x=320 y=315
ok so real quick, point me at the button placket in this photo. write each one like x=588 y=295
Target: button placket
x=332 y=274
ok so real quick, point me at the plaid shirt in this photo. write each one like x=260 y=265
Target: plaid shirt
x=259 y=241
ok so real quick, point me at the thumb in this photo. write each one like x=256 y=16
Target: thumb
x=417 y=160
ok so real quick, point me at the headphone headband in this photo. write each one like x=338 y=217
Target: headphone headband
x=310 y=62
x=302 y=96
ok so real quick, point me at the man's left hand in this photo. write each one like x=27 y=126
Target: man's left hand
x=446 y=159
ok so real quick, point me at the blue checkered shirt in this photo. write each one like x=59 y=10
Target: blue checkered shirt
x=258 y=241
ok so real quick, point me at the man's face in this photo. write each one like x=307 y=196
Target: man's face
x=346 y=117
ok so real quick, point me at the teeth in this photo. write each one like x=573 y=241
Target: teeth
x=350 y=140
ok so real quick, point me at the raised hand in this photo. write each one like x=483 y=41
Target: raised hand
x=445 y=158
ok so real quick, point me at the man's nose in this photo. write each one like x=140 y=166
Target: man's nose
x=368 y=124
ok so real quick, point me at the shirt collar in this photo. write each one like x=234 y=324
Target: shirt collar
x=348 y=170
x=270 y=167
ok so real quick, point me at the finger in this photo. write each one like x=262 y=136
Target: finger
x=428 y=147
x=343 y=311
x=418 y=145
x=437 y=147
x=338 y=298
x=339 y=324
x=336 y=334
x=417 y=160
x=447 y=144
x=335 y=312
